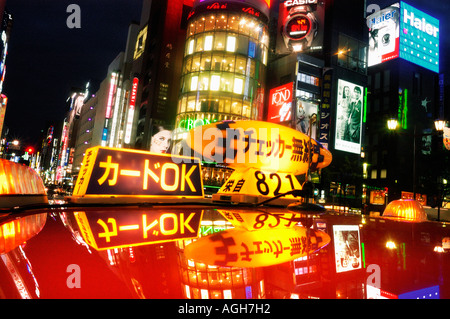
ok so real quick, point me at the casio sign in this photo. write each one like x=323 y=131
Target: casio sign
x=291 y=3
x=420 y=24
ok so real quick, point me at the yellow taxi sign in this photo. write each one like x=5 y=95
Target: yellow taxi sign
x=133 y=173
x=114 y=228
x=257 y=144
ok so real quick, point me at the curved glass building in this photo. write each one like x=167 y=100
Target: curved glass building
x=224 y=64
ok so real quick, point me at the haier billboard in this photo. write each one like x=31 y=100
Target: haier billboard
x=401 y=30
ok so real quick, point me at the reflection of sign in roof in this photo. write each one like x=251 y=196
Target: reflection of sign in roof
x=122 y=172
x=106 y=229
x=258 y=248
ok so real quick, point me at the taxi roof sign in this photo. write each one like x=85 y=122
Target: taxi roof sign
x=114 y=172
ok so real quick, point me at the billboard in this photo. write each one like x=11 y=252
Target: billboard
x=419 y=37
x=300 y=26
x=280 y=103
x=349 y=113
x=401 y=30
x=384 y=34
x=306 y=114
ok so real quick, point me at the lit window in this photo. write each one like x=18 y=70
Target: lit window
x=208 y=42
x=191 y=47
x=215 y=82
x=238 y=86
x=194 y=83
x=231 y=44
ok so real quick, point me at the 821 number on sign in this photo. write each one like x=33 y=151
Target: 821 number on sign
x=274 y=182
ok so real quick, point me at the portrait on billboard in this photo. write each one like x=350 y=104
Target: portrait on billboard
x=349 y=112
x=384 y=34
x=161 y=141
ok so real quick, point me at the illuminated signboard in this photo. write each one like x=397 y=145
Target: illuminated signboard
x=349 y=114
x=300 y=26
x=132 y=173
x=265 y=156
x=347 y=247
x=258 y=248
x=401 y=30
x=131 y=108
x=106 y=229
x=425 y=293
x=280 y=103
x=419 y=37
x=383 y=35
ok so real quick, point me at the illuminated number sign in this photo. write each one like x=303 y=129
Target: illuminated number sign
x=258 y=248
x=106 y=229
x=122 y=172
x=265 y=157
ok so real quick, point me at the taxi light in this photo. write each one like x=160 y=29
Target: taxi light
x=18 y=179
x=17 y=232
x=407 y=209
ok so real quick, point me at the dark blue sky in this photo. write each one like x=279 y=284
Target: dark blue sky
x=46 y=58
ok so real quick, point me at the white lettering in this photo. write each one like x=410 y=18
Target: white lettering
x=74 y=20
x=420 y=24
x=291 y=3
x=74 y=280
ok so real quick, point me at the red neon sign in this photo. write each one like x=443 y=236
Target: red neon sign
x=280 y=103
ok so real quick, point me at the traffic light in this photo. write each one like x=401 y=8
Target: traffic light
x=29 y=150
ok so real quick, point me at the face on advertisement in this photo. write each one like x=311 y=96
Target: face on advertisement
x=161 y=141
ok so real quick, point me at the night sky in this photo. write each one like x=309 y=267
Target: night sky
x=46 y=58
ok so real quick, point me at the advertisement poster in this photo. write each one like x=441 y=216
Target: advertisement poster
x=349 y=117
x=347 y=247
x=419 y=37
x=300 y=26
x=306 y=118
x=280 y=103
x=161 y=139
x=384 y=34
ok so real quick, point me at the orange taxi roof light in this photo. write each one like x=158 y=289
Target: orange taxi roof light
x=18 y=179
x=407 y=209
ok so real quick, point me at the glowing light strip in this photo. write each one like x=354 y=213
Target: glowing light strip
x=112 y=88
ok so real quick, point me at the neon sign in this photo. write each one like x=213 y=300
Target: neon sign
x=132 y=173
x=131 y=108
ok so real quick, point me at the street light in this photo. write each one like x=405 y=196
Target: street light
x=439 y=124
x=392 y=124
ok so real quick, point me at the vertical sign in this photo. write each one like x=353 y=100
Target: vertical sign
x=325 y=121
x=131 y=108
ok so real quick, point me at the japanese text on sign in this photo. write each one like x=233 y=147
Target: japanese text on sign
x=117 y=172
